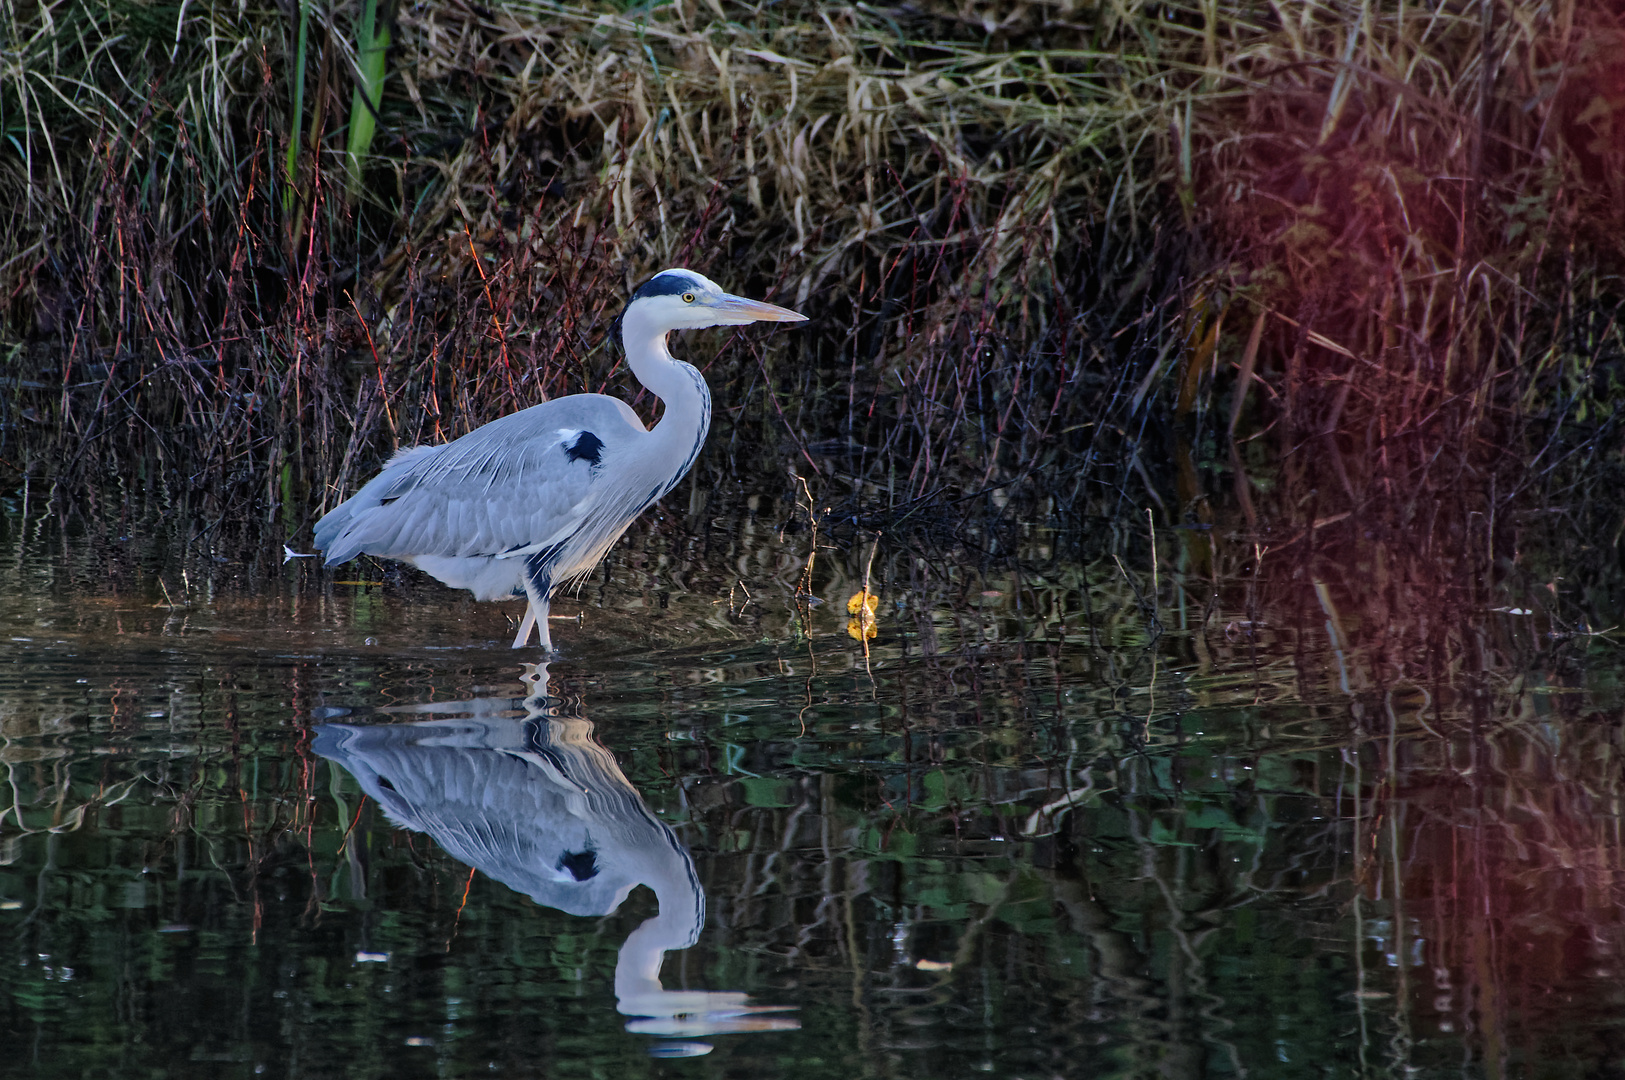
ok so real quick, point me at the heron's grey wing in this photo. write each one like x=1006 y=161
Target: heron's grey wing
x=517 y=482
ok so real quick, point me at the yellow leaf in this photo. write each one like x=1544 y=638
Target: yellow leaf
x=862 y=608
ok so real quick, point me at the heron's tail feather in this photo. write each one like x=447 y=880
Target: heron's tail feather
x=333 y=525
x=341 y=531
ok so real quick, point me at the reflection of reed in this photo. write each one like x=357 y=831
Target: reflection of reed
x=1481 y=794
x=1501 y=863
x=1286 y=757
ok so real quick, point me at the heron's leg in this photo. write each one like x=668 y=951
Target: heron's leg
x=535 y=615
x=537 y=585
x=525 y=626
x=543 y=638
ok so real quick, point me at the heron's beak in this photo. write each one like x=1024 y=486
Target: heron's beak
x=737 y=308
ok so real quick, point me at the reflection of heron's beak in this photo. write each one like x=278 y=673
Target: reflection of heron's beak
x=737 y=307
x=698 y=1013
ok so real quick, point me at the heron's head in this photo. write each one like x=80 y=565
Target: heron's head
x=683 y=300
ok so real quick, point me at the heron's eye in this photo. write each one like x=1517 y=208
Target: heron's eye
x=688 y=298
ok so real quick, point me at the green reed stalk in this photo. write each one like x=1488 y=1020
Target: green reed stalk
x=372 y=51
x=298 y=107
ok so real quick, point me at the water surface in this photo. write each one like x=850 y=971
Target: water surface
x=1058 y=822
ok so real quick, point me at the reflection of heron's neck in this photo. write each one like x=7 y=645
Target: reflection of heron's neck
x=682 y=916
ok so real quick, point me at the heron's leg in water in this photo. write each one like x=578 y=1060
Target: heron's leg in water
x=525 y=625
x=535 y=615
x=538 y=583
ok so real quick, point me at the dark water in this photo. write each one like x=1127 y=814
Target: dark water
x=1061 y=823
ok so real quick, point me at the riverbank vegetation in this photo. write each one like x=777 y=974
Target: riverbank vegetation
x=1317 y=263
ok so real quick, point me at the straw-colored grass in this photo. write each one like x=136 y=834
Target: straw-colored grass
x=1028 y=236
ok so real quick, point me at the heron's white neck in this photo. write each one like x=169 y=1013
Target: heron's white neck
x=687 y=414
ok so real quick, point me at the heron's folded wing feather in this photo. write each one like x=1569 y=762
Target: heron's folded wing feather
x=506 y=485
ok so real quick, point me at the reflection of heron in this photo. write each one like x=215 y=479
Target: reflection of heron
x=536 y=498
x=533 y=800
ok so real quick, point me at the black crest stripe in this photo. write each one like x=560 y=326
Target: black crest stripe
x=667 y=285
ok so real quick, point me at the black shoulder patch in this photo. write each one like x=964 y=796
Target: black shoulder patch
x=582 y=865
x=668 y=284
x=588 y=448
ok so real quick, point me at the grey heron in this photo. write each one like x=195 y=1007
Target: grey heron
x=535 y=499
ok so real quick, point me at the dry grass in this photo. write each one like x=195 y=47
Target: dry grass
x=1030 y=238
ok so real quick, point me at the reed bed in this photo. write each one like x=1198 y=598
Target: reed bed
x=1056 y=256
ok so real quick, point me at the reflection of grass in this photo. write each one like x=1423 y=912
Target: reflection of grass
x=869 y=838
